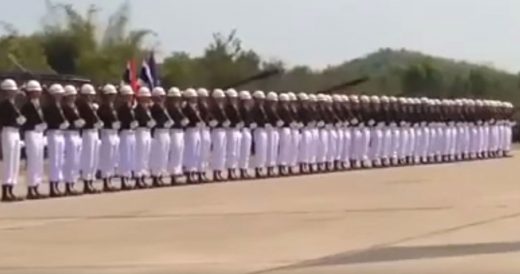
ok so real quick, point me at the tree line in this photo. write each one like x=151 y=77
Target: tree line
x=72 y=42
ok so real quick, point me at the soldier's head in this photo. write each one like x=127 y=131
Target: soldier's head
x=9 y=88
x=345 y=104
x=203 y=95
x=219 y=97
x=232 y=96
x=56 y=92
x=109 y=93
x=385 y=103
x=303 y=99
x=174 y=96
x=88 y=92
x=322 y=99
x=272 y=99
x=259 y=97
x=284 y=99
x=246 y=99
x=365 y=102
x=33 y=89
x=394 y=104
x=191 y=96
x=69 y=94
x=354 y=102
x=126 y=94
x=375 y=102
x=144 y=96
x=293 y=99
x=158 y=95
x=313 y=100
x=337 y=101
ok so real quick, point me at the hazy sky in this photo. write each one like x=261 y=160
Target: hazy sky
x=319 y=32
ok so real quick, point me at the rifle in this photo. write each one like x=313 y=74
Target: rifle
x=345 y=85
x=259 y=76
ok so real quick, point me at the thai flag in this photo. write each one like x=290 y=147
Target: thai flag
x=148 y=74
x=129 y=76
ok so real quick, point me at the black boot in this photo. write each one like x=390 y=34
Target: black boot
x=12 y=196
x=69 y=190
x=173 y=180
x=156 y=182
x=139 y=183
x=31 y=194
x=124 y=184
x=258 y=172
x=107 y=185
x=5 y=194
x=54 y=190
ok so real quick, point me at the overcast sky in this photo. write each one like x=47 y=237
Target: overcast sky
x=319 y=32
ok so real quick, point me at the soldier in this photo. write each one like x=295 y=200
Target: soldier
x=143 y=136
x=296 y=126
x=90 y=137
x=284 y=151
x=192 y=153
x=11 y=120
x=347 y=131
x=161 y=137
x=385 y=120
x=73 y=140
x=304 y=148
x=376 y=124
x=219 y=125
x=109 y=136
x=273 y=136
x=56 y=124
x=333 y=121
x=337 y=109
x=316 y=123
x=175 y=159
x=205 y=133
x=233 y=135
x=323 y=141
x=260 y=135
x=33 y=130
x=127 y=145
x=246 y=109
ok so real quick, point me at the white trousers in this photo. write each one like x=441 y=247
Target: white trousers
x=205 y=148
x=296 y=139
x=56 y=150
x=127 y=153
x=273 y=140
x=387 y=142
x=305 y=146
x=108 y=154
x=218 y=155
x=357 y=140
x=333 y=145
x=347 y=146
x=73 y=143
x=322 y=146
x=143 y=138
x=176 y=156
x=89 y=154
x=192 y=150
x=233 y=140
x=11 y=149
x=405 y=138
x=284 y=153
x=376 y=143
x=396 y=142
x=159 y=152
x=340 y=143
x=245 y=148
x=315 y=145
x=34 y=147
x=260 y=137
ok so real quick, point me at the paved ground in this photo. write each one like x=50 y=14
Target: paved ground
x=454 y=218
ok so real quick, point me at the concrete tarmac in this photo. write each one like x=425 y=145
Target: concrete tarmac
x=448 y=218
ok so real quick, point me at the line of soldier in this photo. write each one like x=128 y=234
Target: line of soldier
x=228 y=133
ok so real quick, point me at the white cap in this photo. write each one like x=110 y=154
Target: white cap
x=284 y=97
x=174 y=92
x=109 y=89
x=56 y=89
x=292 y=96
x=144 y=92
x=9 y=85
x=313 y=98
x=345 y=98
x=322 y=97
x=126 y=90
x=272 y=96
x=375 y=99
x=245 y=95
x=70 y=90
x=337 y=98
x=190 y=93
x=202 y=92
x=384 y=99
x=364 y=99
x=158 y=91
x=303 y=96
x=231 y=93
x=88 y=89
x=258 y=94
x=218 y=93
x=33 y=85
x=354 y=98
